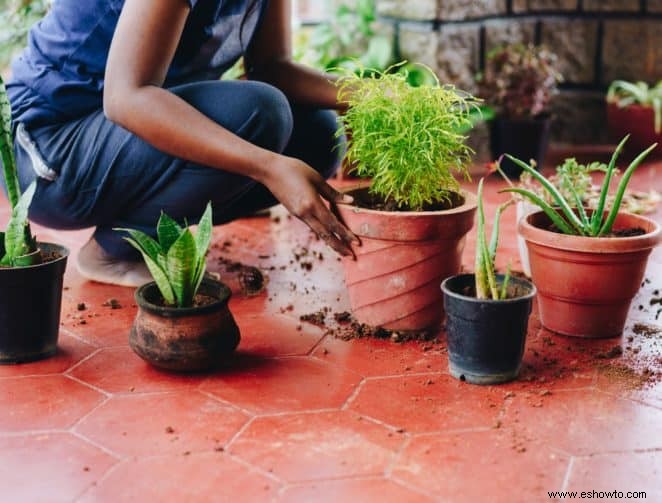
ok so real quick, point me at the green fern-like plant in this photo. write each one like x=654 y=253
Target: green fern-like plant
x=407 y=139
x=177 y=259
x=20 y=246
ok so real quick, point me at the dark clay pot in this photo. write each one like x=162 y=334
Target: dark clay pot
x=184 y=339
x=30 y=302
x=486 y=337
x=525 y=139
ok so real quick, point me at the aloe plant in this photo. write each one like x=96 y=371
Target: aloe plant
x=486 y=283
x=579 y=222
x=625 y=93
x=20 y=246
x=177 y=259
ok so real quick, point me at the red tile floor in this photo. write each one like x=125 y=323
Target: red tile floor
x=299 y=415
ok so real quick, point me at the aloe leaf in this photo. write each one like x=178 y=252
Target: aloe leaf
x=549 y=211
x=482 y=286
x=606 y=227
x=596 y=219
x=494 y=239
x=504 y=284
x=203 y=235
x=168 y=231
x=16 y=243
x=579 y=204
x=143 y=242
x=159 y=275
x=181 y=262
x=7 y=148
x=553 y=191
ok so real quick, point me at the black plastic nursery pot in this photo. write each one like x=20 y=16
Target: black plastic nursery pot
x=486 y=337
x=525 y=139
x=30 y=303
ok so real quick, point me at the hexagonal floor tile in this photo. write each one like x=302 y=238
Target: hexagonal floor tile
x=44 y=402
x=163 y=423
x=333 y=491
x=277 y=335
x=192 y=477
x=300 y=447
x=282 y=385
x=49 y=467
x=428 y=403
x=480 y=466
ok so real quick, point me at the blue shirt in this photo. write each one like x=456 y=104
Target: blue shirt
x=60 y=75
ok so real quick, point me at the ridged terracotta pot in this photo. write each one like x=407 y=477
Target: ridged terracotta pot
x=639 y=122
x=404 y=256
x=585 y=285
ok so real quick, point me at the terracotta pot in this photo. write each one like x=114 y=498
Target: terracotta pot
x=639 y=122
x=585 y=285
x=184 y=339
x=404 y=256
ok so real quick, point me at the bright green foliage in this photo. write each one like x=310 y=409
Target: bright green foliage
x=625 y=93
x=177 y=260
x=486 y=284
x=20 y=246
x=579 y=222
x=406 y=138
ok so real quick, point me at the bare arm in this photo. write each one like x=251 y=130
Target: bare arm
x=142 y=49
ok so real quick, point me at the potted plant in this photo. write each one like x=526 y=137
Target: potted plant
x=413 y=217
x=587 y=264
x=519 y=82
x=183 y=321
x=635 y=109
x=31 y=272
x=486 y=314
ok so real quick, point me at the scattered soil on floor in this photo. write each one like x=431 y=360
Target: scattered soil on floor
x=625 y=376
x=112 y=303
x=648 y=331
x=614 y=352
x=251 y=280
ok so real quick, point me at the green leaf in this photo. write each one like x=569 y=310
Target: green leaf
x=16 y=243
x=596 y=218
x=168 y=231
x=203 y=235
x=482 y=284
x=549 y=211
x=159 y=275
x=504 y=285
x=7 y=148
x=143 y=242
x=181 y=262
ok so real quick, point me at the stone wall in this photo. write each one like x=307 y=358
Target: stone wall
x=597 y=41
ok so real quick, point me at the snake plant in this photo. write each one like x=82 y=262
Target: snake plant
x=486 y=284
x=20 y=246
x=176 y=259
x=625 y=93
x=579 y=222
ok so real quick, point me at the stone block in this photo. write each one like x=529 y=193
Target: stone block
x=456 y=10
x=654 y=6
x=419 y=10
x=544 y=5
x=479 y=141
x=575 y=43
x=579 y=117
x=632 y=50
x=612 y=5
x=506 y=32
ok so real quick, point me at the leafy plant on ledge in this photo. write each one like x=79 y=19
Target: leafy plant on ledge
x=625 y=93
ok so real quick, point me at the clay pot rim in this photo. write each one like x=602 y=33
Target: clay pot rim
x=470 y=203
x=632 y=106
x=524 y=282
x=534 y=234
x=213 y=289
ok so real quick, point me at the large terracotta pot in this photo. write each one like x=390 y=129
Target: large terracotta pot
x=639 y=122
x=394 y=281
x=585 y=285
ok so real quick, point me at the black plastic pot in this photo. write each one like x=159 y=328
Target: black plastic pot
x=485 y=337
x=184 y=339
x=30 y=303
x=525 y=139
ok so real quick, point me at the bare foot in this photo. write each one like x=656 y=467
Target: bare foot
x=95 y=264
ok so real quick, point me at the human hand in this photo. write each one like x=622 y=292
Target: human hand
x=300 y=189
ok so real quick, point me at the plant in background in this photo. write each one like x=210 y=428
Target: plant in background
x=177 y=260
x=572 y=218
x=16 y=18
x=486 y=283
x=519 y=80
x=624 y=93
x=406 y=138
x=20 y=246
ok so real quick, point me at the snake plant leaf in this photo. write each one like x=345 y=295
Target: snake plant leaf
x=7 y=148
x=181 y=266
x=168 y=231
x=200 y=269
x=143 y=242
x=203 y=235
x=16 y=243
x=32 y=258
x=157 y=272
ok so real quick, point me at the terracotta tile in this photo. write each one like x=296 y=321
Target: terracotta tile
x=49 y=467
x=301 y=447
x=375 y=357
x=429 y=403
x=70 y=351
x=632 y=471
x=480 y=466
x=282 y=385
x=120 y=370
x=277 y=335
x=171 y=423
x=193 y=477
x=333 y=491
x=44 y=402
x=587 y=421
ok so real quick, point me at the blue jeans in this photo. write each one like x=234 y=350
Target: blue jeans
x=108 y=177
